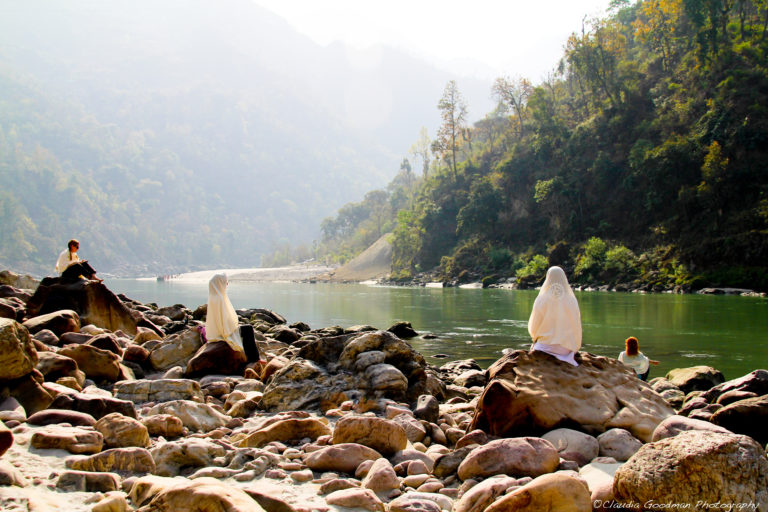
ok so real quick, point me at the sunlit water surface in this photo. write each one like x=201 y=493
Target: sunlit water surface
x=729 y=333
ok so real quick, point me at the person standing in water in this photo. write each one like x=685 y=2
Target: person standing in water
x=71 y=267
x=636 y=360
x=555 y=322
x=221 y=321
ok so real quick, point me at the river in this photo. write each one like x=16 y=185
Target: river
x=726 y=332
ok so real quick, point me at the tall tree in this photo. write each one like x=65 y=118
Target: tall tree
x=512 y=95
x=420 y=149
x=453 y=111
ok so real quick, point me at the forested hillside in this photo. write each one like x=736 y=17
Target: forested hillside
x=642 y=160
x=177 y=134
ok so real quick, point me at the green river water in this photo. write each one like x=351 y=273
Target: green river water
x=726 y=332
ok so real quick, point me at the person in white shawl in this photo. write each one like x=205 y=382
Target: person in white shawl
x=555 y=322
x=221 y=320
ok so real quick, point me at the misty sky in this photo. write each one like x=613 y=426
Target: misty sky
x=502 y=37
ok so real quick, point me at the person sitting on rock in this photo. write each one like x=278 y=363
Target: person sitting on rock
x=636 y=360
x=555 y=322
x=71 y=267
x=221 y=320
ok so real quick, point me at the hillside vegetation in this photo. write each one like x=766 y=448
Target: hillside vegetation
x=640 y=161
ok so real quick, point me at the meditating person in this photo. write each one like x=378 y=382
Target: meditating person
x=636 y=360
x=555 y=322
x=221 y=320
x=71 y=267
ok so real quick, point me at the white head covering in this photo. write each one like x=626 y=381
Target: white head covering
x=555 y=319
x=221 y=319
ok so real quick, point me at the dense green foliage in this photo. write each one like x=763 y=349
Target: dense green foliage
x=642 y=157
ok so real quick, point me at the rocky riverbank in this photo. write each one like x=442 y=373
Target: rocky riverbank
x=108 y=404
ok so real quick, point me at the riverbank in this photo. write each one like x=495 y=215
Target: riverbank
x=289 y=273
x=147 y=419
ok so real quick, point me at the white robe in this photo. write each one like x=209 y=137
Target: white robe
x=221 y=320
x=63 y=262
x=555 y=322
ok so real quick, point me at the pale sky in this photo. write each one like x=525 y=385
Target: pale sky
x=512 y=37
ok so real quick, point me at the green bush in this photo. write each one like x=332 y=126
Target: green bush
x=620 y=261
x=590 y=262
x=536 y=268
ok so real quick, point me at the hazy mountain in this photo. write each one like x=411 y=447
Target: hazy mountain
x=192 y=132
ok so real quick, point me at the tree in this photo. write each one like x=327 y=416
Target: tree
x=420 y=149
x=453 y=112
x=512 y=95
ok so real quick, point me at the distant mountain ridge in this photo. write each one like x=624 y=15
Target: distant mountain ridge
x=185 y=134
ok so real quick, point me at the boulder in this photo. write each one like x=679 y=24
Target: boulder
x=520 y=456
x=340 y=457
x=96 y=363
x=748 y=417
x=420 y=502
x=755 y=382
x=483 y=494
x=160 y=390
x=56 y=416
x=54 y=366
x=18 y=356
x=694 y=469
x=695 y=378
x=303 y=385
x=84 y=481
x=175 y=350
x=29 y=392
x=10 y=278
x=136 y=354
x=74 y=338
x=195 y=416
x=734 y=396
x=93 y=302
x=6 y=438
x=96 y=406
x=79 y=440
x=57 y=321
x=471 y=378
x=673 y=425
x=573 y=445
x=287 y=430
x=448 y=463
x=414 y=430
x=217 y=357
x=384 y=436
x=201 y=495
x=189 y=453
x=403 y=330
x=166 y=425
x=619 y=444
x=284 y=334
x=11 y=410
x=48 y=337
x=356 y=498
x=599 y=479
x=381 y=477
x=558 y=491
x=117 y=460
x=530 y=393
x=398 y=354
x=121 y=431
x=427 y=408
x=107 y=341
